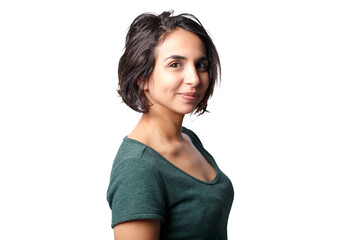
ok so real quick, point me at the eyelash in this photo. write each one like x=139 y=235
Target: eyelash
x=201 y=66
x=172 y=65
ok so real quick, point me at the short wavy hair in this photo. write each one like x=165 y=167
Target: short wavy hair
x=137 y=63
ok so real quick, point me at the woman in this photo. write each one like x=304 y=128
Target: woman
x=164 y=184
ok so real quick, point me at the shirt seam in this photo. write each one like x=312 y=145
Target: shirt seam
x=158 y=172
x=128 y=217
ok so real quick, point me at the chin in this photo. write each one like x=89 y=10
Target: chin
x=186 y=110
x=182 y=109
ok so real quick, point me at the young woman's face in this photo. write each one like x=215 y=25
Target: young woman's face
x=180 y=77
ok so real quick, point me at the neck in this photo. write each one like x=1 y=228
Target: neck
x=163 y=128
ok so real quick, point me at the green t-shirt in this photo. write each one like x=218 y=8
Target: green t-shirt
x=144 y=185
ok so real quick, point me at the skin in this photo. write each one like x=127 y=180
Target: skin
x=136 y=230
x=178 y=83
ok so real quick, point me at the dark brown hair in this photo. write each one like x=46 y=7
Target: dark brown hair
x=138 y=60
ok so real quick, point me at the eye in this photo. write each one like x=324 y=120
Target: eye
x=175 y=64
x=202 y=66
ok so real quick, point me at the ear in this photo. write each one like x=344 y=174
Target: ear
x=144 y=85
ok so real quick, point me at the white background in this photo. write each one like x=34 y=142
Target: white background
x=284 y=123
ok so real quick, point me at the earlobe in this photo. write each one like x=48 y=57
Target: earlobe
x=144 y=85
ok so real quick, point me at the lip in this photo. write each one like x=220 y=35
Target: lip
x=189 y=96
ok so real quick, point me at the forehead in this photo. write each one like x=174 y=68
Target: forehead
x=181 y=42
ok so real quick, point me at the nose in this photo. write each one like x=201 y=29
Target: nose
x=192 y=76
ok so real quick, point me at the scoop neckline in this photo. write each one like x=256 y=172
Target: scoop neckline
x=200 y=149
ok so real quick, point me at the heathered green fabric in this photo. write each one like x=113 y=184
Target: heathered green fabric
x=144 y=185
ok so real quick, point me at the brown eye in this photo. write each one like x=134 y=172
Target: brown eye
x=202 y=66
x=175 y=65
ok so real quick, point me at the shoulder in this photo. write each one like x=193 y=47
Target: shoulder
x=133 y=171
x=130 y=153
x=136 y=189
x=133 y=166
x=192 y=135
x=130 y=148
x=134 y=157
x=133 y=174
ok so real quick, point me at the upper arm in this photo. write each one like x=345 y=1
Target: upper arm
x=136 y=191
x=138 y=229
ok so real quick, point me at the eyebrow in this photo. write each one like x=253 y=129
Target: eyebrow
x=178 y=57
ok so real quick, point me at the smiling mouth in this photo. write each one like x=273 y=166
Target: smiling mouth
x=190 y=97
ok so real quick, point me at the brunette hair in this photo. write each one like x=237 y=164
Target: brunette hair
x=138 y=60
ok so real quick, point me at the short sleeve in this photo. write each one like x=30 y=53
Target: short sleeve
x=136 y=191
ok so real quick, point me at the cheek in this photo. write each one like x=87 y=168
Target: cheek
x=170 y=81
x=205 y=80
x=161 y=86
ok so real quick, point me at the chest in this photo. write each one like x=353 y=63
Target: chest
x=196 y=210
x=190 y=160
